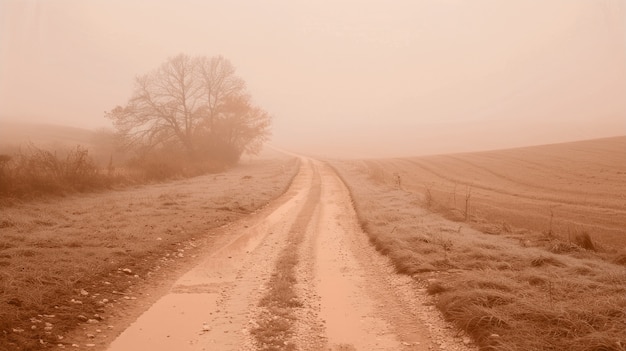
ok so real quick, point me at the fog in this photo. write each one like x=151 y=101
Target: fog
x=341 y=78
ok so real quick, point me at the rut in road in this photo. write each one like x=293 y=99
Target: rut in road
x=274 y=325
x=299 y=275
x=354 y=300
x=209 y=307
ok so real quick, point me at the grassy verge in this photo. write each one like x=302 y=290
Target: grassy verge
x=276 y=321
x=64 y=260
x=505 y=294
x=34 y=172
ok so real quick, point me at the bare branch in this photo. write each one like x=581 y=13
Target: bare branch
x=198 y=103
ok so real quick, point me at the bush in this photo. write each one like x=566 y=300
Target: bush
x=36 y=172
x=33 y=172
x=171 y=162
x=583 y=239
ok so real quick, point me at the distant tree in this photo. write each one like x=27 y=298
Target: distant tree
x=198 y=105
x=237 y=125
x=217 y=76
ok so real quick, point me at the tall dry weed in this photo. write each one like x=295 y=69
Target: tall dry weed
x=34 y=171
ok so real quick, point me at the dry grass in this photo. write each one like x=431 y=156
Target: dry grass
x=506 y=291
x=56 y=250
x=34 y=172
x=551 y=190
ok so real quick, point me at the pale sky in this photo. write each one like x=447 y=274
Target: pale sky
x=348 y=78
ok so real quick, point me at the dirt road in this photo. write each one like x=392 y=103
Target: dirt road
x=306 y=243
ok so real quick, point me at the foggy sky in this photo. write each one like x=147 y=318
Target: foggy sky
x=348 y=78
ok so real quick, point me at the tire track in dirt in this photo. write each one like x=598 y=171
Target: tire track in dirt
x=209 y=308
x=308 y=251
x=274 y=323
x=352 y=297
x=353 y=302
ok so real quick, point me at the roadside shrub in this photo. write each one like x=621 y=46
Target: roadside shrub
x=583 y=239
x=170 y=162
x=34 y=171
x=219 y=153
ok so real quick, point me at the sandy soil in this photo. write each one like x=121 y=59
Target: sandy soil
x=349 y=297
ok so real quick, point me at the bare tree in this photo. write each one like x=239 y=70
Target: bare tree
x=217 y=75
x=197 y=104
x=162 y=108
